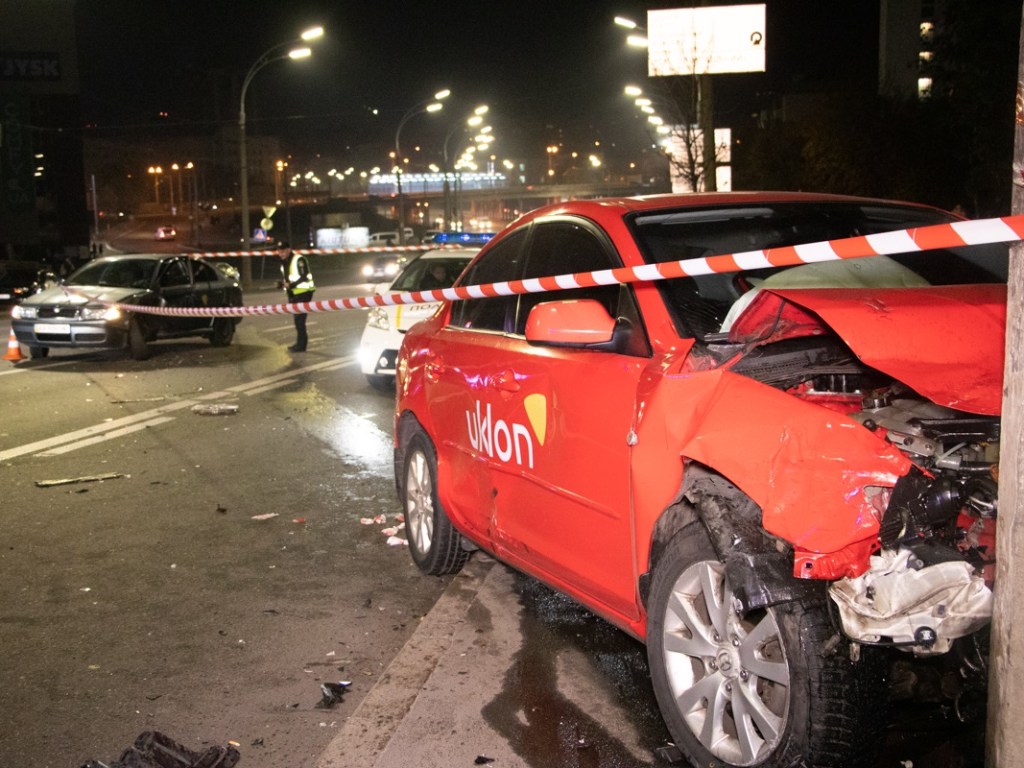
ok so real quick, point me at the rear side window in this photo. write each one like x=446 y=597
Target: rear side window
x=501 y=263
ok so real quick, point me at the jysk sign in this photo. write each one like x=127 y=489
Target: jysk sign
x=29 y=66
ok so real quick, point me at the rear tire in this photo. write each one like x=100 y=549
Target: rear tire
x=771 y=689
x=137 y=345
x=435 y=545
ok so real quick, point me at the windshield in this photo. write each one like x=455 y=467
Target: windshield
x=701 y=305
x=430 y=274
x=116 y=273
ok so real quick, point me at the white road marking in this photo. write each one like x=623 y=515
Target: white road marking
x=82 y=438
x=42 y=367
x=108 y=436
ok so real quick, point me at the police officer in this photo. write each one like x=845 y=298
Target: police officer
x=298 y=282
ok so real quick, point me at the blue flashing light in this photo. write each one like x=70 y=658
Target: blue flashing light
x=441 y=238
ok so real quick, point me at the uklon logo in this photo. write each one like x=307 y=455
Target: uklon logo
x=508 y=442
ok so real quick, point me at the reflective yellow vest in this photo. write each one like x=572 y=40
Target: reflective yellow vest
x=296 y=282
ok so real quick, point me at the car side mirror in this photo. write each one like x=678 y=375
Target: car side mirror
x=574 y=323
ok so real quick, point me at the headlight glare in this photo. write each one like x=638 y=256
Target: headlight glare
x=100 y=313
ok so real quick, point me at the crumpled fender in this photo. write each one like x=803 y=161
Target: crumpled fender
x=945 y=342
x=805 y=466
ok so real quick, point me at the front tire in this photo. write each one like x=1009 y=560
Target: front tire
x=138 y=347
x=767 y=689
x=435 y=545
x=38 y=352
x=222 y=331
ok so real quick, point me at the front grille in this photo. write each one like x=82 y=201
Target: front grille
x=67 y=313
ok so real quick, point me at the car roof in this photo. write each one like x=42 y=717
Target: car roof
x=617 y=207
x=442 y=253
x=145 y=256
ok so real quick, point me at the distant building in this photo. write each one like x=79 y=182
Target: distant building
x=43 y=211
x=905 y=47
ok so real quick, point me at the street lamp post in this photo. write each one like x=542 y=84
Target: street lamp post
x=552 y=150
x=270 y=55
x=155 y=171
x=175 y=168
x=473 y=121
x=283 y=183
x=430 y=105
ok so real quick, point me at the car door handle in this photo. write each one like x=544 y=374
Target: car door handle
x=505 y=381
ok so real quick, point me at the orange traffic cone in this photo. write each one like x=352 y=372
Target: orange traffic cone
x=13 y=349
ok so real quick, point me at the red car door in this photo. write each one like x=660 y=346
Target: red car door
x=552 y=425
x=454 y=379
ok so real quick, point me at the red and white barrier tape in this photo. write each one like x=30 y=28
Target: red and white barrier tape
x=325 y=251
x=954 y=235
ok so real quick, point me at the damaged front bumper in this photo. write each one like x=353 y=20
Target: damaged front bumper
x=903 y=603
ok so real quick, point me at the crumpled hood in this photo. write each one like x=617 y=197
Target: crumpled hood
x=83 y=294
x=945 y=342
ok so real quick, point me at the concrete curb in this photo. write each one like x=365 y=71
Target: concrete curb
x=367 y=732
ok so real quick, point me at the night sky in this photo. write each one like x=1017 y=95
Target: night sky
x=541 y=66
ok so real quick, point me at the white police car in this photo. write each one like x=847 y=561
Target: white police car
x=386 y=326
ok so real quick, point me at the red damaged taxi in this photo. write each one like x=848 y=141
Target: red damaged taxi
x=777 y=478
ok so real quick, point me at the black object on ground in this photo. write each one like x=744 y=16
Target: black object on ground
x=155 y=750
x=332 y=693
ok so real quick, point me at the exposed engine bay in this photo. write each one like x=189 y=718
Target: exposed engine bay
x=930 y=581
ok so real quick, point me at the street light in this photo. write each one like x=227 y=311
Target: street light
x=430 y=105
x=155 y=171
x=181 y=195
x=193 y=194
x=270 y=55
x=705 y=107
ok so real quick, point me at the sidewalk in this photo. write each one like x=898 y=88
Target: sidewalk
x=371 y=735
x=466 y=685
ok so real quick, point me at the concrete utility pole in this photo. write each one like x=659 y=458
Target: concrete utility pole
x=1005 y=737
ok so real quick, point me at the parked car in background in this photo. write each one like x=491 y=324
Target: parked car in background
x=391 y=238
x=21 y=279
x=166 y=233
x=781 y=479
x=82 y=311
x=383 y=238
x=386 y=326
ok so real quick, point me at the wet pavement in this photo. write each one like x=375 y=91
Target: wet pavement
x=522 y=677
x=504 y=671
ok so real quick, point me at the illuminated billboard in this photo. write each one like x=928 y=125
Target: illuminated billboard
x=706 y=41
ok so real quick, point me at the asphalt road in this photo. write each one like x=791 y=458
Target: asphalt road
x=221 y=572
